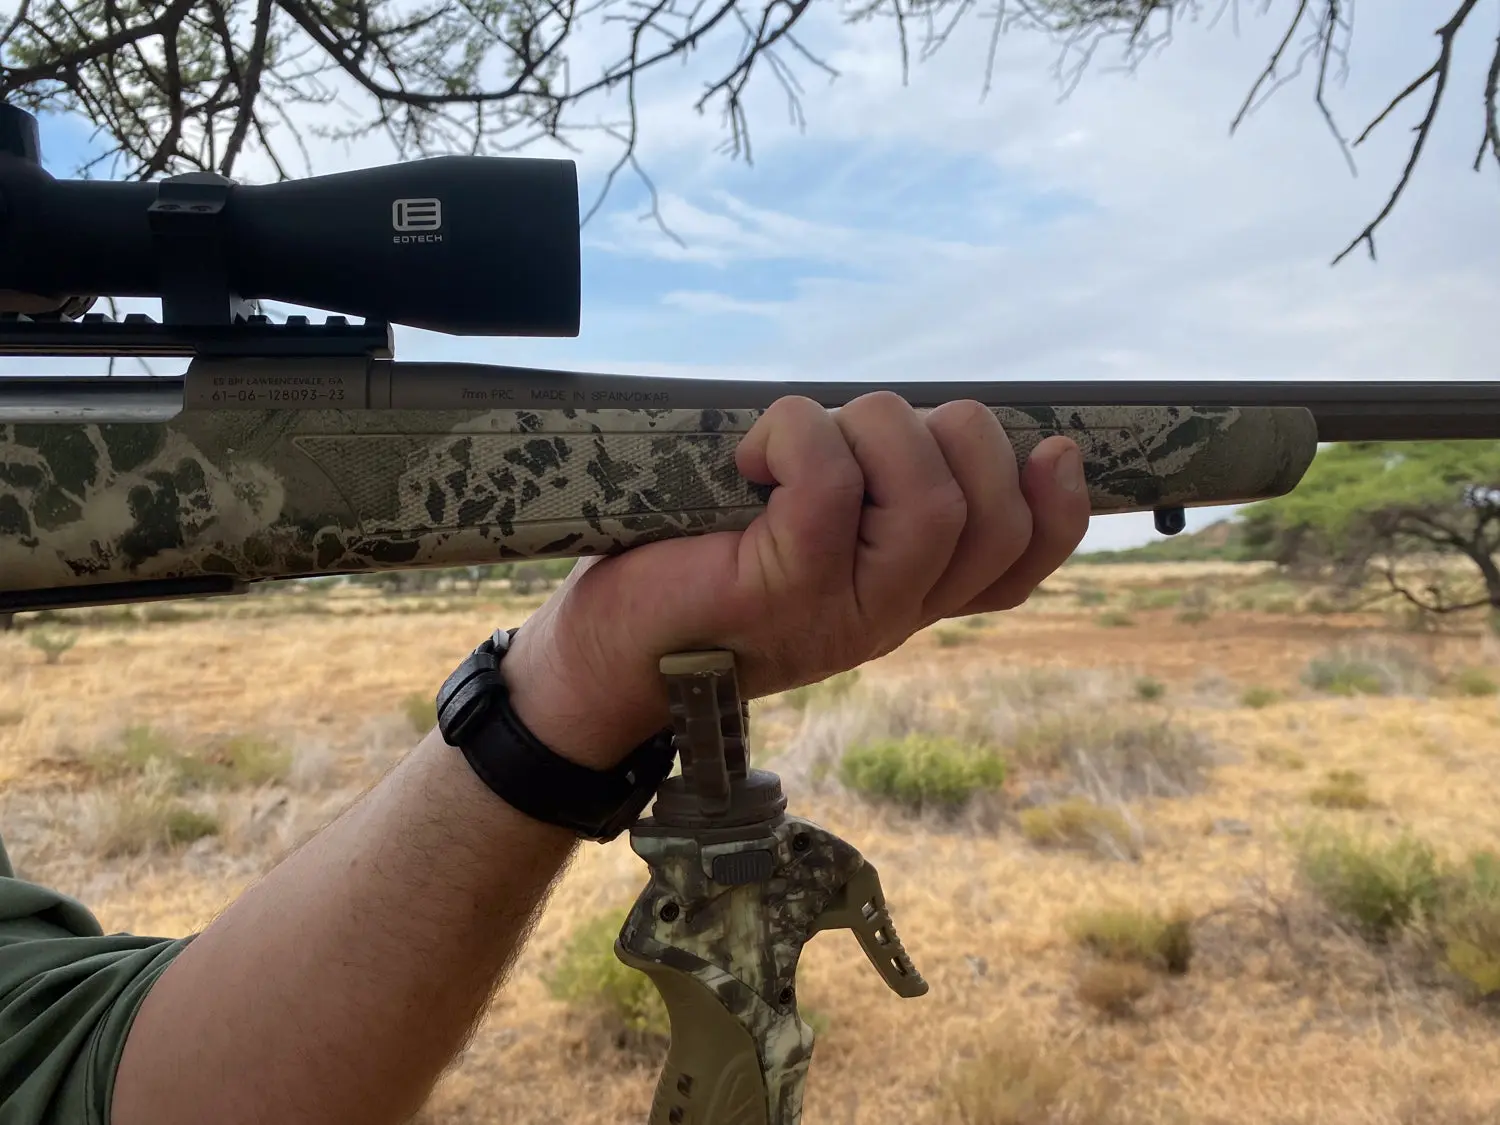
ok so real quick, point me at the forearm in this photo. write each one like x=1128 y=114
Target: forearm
x=339 y=987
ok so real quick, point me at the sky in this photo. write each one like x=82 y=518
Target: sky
x=918 y=230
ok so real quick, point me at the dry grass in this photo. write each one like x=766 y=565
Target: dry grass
x=1343 y=789
x=1284 y=1019
x=1114 y=988
x=1083 y=826
x=1015 y=1082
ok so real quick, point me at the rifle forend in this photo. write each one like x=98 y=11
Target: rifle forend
x=249 y=470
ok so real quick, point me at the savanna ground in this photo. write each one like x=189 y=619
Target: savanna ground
x=1169 y=845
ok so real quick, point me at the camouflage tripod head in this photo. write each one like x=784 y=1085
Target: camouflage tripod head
x=737 y=888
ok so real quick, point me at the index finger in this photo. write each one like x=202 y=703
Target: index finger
x=807 y=535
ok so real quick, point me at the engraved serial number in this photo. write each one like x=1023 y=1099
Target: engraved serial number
x=305 y=394
x=279 y=394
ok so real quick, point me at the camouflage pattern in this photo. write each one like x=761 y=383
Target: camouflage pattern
x=254 y=494
x=738 y=948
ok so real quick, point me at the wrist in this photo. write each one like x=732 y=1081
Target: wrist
x=589 y=718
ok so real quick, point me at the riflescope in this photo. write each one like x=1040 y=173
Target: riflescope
x=460 y=244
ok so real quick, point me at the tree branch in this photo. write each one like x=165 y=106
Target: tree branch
x=1438 y=75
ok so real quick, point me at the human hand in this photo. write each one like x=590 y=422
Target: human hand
x=882 y=522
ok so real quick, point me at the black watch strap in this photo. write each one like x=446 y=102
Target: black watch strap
x=476 y=717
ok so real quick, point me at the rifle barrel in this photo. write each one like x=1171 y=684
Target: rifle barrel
x=1344 y=411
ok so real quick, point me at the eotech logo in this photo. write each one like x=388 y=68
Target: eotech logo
x=410 y=216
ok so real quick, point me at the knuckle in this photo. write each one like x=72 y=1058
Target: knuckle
x=845 y=479
x=945 y=507
x=880 y=402
x=966 y=415
x=794 y=405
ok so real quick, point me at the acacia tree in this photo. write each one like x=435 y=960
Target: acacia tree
x=178 y=85
x=1425 y=516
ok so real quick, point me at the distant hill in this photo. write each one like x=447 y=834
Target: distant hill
x=1223 y=541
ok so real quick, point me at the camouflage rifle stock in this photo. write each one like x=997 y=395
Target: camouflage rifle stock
x=255 y=469
x=247 y=470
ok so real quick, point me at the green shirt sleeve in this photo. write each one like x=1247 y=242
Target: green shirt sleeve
x=68 y=994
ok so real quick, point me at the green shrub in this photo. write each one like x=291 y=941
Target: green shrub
x=1342 y=789
x=1145 y=937
x=1378 y=888
x=1116 y=619
x=1474 y=682
x=591 y=978
x=1468 y=925
x=952 y=638
x=1114 y=752
x=1080 y=824
x=51 y=643
x=1258 y=697
x=227 y=763
x=421 y=712
x=1149 y=689
x=830 y=690
x=977 y=621
x=921 y=771
x=1091 y=596
x=1193 y=616
x=1282 y=756
x=248 y=760
x=183 y=825
x=136 y=819
x=1368 y=670
x=1155 y=599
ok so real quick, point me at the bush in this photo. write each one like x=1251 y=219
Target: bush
x=227 y=763
x=421 y=712
x=1114 y=988
x=977 y=621
x=1468 y=925
x=1474 y=682
x=1138 y=937
x=1091 y=596
x=1155 y=599
x=1368 y=670
x=1193 y=616
x=1378 y=888
x=1148 y=689
x=1342 y=789
x=591 y=978
x=830 y=690
x=51 y=643
x=248 y=760
x=922 y=771
x=1014 y=1082
x=1257 y=697
x=1286 y=758
x=952 y=638
x=1080 y=824
x=1115 y=754
x=136 y=819
x=1116 y=619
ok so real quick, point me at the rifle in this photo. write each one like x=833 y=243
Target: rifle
x=293 y=450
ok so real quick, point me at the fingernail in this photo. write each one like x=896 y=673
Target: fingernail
x=1068 y=472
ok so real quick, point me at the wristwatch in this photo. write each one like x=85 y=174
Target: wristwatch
x=475 y=716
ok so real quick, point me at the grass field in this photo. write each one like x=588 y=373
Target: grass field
x=1135 y=928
